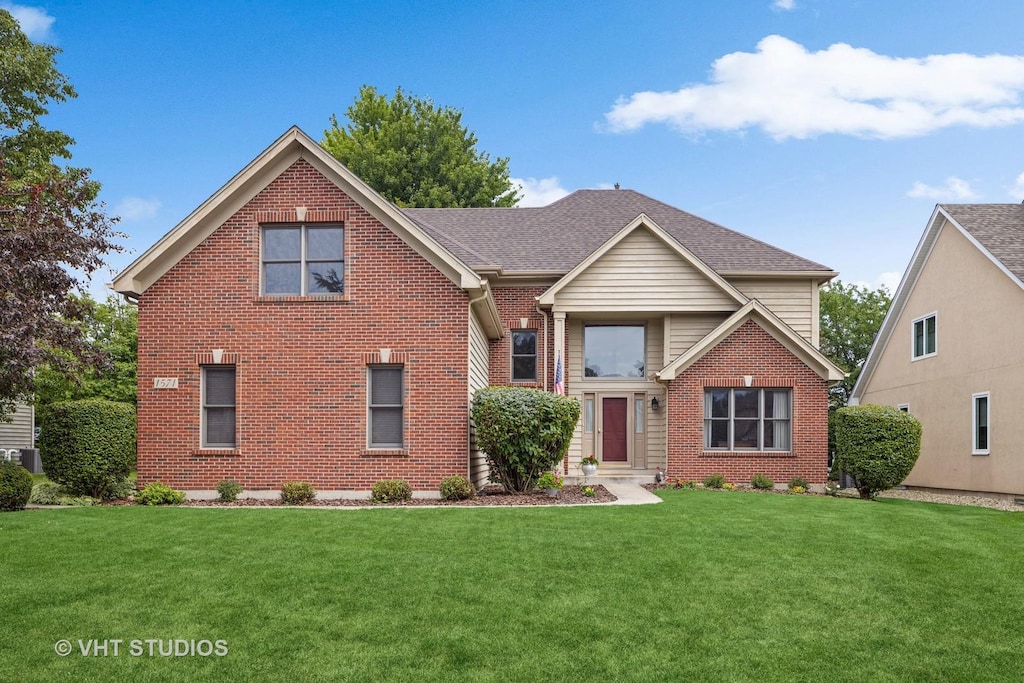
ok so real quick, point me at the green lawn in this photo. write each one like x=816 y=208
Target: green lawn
x=706 y=586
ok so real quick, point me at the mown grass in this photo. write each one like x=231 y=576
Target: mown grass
x=706 y=586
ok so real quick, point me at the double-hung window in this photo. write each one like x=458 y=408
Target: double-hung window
x=979 y=424
x=524 y=356
x=387 y=406
x=218 y=418
x=924 y=337
x=747 y=419
x=300 y=259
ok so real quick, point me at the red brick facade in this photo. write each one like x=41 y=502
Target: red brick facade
x=514 y=304
x=302 y=362
x=749 y=351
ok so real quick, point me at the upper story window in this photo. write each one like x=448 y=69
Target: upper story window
x=302 y=259
x=924 y=336
x=614 y=351
x=524 y=356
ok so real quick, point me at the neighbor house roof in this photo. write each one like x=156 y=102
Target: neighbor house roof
x=557 y=237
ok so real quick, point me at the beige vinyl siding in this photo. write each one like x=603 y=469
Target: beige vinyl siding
x=791 y=299
x=642 y=273
x=479 y=363
x=578 y=385
x=686 y=329
x=18 y=432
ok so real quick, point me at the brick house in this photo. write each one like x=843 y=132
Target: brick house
x=297 y=326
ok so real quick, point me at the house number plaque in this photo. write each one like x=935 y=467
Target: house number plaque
x=165 y=382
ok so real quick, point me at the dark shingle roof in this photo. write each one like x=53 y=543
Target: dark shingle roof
x=999 y=228
x=558 y=236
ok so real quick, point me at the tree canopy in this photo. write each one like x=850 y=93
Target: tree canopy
x=53 y=234
x=850 y=317
x=417 y=154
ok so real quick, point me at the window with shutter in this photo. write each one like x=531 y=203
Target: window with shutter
x=387 y=398
x=218 y=419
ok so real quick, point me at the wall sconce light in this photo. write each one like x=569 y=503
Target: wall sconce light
x=655 y=404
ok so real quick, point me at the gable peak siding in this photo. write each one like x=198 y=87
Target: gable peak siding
x=301 y=387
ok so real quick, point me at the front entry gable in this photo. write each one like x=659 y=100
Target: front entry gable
x=642 y=268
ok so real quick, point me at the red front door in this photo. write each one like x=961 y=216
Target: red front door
x=613 y=430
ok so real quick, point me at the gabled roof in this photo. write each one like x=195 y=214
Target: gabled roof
x=996 y=230
x=260 y=172
x=555 y=238
x=770 y=323
x=642 y=221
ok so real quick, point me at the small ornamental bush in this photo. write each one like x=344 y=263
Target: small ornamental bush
x=681 y=483
x=589 y=492
x=550 y=480
x=88 y=446
x=798 y=481
x=15 y=486
x=524 y=432
x=48 y=493
x=714 y=481
x=228 y=490
x=797 y=489
x=876 y=445
x=457 y=488
x=728 y=487
x=297 y=493
x=762 y=482
x=391 y=491
x=158 y=493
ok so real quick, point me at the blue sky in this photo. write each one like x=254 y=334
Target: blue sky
x=827 y=127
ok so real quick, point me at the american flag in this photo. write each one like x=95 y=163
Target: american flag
x=559 y=384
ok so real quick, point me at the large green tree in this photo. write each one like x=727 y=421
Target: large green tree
x=851 y=316
x=417 y=154
x=53 y=233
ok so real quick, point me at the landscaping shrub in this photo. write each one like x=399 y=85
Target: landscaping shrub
x=799 y=482
x=524 y=432
x=157 y=493
x=763 y=482
x=15 y=486
x=876 y=445
x=48 y=493
x=121 y=490
x=681 y=483
x=714 y=481
x=457 y=488
x=391 y=491
x=297 y=493
x=88 y=446
x=228 y=490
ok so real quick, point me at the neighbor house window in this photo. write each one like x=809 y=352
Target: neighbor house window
x=615 y=351
x=747 y=419
x=903 y=407
x=924 y=336
x=387 y=406
x=218 y=418
x=524 y=356
x=300 y=260
x=979 y=422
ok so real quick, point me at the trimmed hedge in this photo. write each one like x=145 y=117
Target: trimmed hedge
x=391 y=491
x=876 y=445
x=88 y=446
x=457 y=487
x=523 y=432
x=15 y=486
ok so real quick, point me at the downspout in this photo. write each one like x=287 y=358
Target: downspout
x=469 y=432
x=545 y=316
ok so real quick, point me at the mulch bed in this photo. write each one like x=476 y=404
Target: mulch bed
x=489 y=495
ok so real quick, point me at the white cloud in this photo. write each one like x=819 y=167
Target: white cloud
x=890 y=280
x=34 y=22
x=137 y=208
x=1017 y=191
x=539 y=192
x=784 y=5
x=790 y=92
x=955 y=188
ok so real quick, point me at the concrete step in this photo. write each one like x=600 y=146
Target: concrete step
x=638 y=477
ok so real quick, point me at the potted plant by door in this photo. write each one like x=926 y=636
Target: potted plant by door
x=550 y=482
x=589 y=465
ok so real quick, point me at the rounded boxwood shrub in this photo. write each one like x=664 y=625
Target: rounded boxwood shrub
x=876 y=445
x=228 y=490
x=763 y=482
x=297 y=493
x=88 y=446
x=391 y=491
x=457 y=488
x=523 y=432
x=15 y=486
x=714 y=481
x=158 y=493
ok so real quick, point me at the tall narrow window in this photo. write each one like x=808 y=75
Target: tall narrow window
x=300 y=259
x=747 y=419
x=387 y=406
x=980 y=420
x=924 y=336
x=218 y=419
x=524 y=356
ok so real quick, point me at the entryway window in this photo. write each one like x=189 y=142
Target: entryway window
x=386 y=408
x=979 y=423
x=613 y=351
x=524 y=356
x=300 y=260
x=747 y=419
x=218 y=416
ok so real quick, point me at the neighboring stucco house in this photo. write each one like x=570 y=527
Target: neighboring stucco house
x=949 y=349
x=299 y=326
